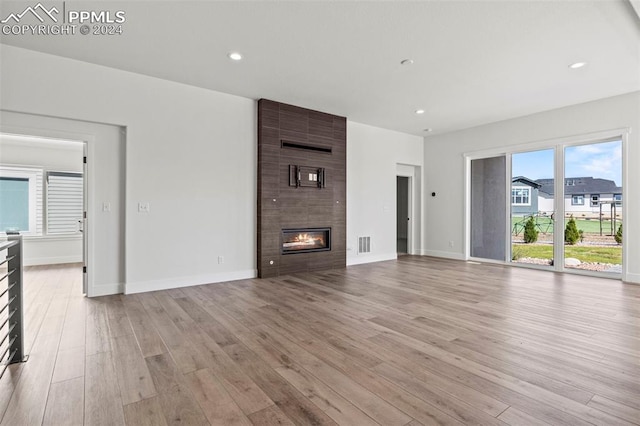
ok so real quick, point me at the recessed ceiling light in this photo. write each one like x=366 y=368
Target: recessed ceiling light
x=419 y=111
x=406 y=62
x=235 y=56
x=577 y=65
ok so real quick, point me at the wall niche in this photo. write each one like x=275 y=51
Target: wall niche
x=302 y=187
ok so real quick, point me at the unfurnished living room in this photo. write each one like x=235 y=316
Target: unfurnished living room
x=320 y=212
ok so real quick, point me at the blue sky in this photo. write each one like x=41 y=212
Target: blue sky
x=601 y=160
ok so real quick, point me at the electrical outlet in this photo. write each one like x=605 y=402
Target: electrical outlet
x=106 y=207
x=220 y=260
x=451 y=244
x=144 y=208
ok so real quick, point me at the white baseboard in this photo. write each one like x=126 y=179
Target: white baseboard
x=153 y=285
x=443 y=254
x=364 y=258
x=107 y=289
x=51 y=260
x=632 y=278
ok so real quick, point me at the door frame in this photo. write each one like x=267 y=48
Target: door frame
x=413 y=172
x=88 y=142
x=85 y=218
x=559 y=145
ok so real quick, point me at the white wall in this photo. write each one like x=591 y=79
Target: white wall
x=373 y=156
x=47 y=156
x=444 y=165
x=190 y=154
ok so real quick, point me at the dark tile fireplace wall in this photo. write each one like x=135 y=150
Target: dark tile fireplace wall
x=294 y=136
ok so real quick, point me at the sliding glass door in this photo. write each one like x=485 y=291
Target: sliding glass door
x=488 y=208
x=593 y=197
x=532 y=208
x=563 y=202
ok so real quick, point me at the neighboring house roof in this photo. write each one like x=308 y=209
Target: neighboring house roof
x=526 y=181
x=581 y=185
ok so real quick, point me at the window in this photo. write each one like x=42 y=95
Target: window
x=595 y=200
x=64 y=202
x=577 y=200
x=14 y=199
x=618 y=199
x=571 y=182
x=20 y=200
x=520 y=196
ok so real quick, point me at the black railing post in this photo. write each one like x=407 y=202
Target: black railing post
x=11 y=312
x=15 y=300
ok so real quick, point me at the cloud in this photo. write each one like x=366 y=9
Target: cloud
x=602 y=160
x=599 y=160
x=591 y=149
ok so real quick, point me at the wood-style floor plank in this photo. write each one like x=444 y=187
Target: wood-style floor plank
x=146 y=412
x=145 y=331
x=65 y=406
x=103 y=402
x=615 y=408
x=29 y=398
x=215 y=401
x=133 y=375
x=418 y=341
x=515 y=417
x=69 y=364
x=270 y=416
x=180 y=408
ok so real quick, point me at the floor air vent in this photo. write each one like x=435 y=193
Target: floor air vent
x=364 y=244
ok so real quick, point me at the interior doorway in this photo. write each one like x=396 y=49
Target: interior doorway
x=403 y=214
x=104 y=227
x=43 y=196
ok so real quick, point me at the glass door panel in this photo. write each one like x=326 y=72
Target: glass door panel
x=532 y=207
x=593 y=197
x=488 y=208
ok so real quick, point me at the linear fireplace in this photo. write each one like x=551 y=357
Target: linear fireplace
x=306 y=240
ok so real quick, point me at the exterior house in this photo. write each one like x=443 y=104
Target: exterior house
x=583 y=195
x=524 y=196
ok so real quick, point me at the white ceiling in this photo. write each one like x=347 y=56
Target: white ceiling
x=475 y=62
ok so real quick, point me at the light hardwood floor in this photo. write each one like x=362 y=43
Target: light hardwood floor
x=407 y=342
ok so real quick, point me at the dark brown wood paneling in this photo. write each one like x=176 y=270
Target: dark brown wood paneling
x=281 y=206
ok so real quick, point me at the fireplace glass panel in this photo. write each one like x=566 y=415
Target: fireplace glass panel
x=306 y=240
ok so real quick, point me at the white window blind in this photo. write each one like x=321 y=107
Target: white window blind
x=64 y=202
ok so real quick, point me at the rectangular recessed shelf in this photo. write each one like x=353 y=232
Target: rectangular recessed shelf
x=306 y=147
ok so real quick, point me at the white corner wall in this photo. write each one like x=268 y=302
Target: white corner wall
x=373 y=156
x=190 y=154
x=444 y=166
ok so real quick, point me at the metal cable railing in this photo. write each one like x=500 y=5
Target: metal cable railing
x=11 y=309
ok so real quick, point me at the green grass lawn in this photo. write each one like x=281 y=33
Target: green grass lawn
x=583 y=253
x=544 y=224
